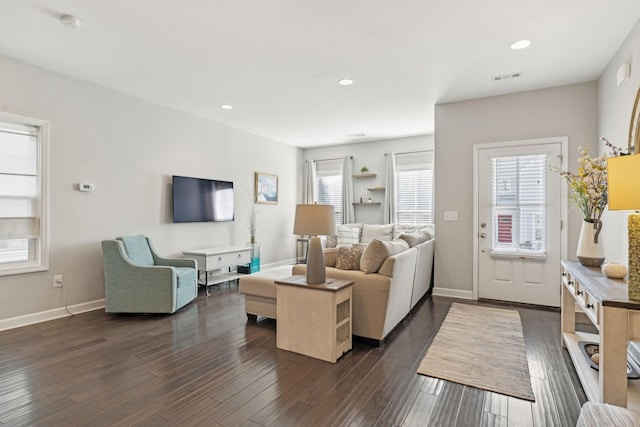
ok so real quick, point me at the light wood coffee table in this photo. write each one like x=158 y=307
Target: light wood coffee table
x=314 y=320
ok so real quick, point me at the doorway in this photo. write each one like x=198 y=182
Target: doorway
x=518 y=221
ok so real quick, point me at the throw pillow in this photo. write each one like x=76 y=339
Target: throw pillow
x=330 y=256
x=349 y=258
x=376 y=231
x=377 y=251
x=331 y=241
x=413 y=238
x=347 y=236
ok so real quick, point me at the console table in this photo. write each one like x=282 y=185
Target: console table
x=314 y=320
x=617 y=319
x=219 y=260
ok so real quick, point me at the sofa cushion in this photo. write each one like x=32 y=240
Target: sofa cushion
x=377 y=251
x=331 y=241
x=414 y=238
x=347 y=236
x=330 y=256
x=349 y=258
x=376 y=231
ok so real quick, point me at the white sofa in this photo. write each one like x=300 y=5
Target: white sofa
x=381 y=299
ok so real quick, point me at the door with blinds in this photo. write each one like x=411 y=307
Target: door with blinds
x=519 y=223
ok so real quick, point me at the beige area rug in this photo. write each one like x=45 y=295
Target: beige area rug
x=481 y=347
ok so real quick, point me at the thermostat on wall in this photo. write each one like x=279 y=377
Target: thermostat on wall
x=85 y=187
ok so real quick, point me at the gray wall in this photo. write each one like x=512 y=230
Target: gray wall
x=372 y=155
x=129 y=149
x=615 y=104
x=561 y=111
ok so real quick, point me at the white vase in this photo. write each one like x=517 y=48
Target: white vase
x=590 y=251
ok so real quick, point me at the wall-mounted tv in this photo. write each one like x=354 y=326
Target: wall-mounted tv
x=202 y=200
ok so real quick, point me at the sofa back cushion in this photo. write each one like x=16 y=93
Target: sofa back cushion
x=376 y=231
x=377 y=251
x=330 y=256
x=414 y=238
x=347 y=236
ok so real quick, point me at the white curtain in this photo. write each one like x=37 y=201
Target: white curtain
x=308 y=182
x=389 y=205
x=348 y=214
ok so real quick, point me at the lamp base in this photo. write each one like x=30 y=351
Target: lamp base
x=633 y=228
x=316 y=271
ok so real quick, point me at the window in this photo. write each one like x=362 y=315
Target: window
x=329 y=185
x=414 y=188
x=23 y=245
x=518 y=204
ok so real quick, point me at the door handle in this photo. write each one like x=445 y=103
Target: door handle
x=483 y=235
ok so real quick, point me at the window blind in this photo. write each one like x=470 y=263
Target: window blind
x=19 y=188
x=518 y=204
x=414 y=188
x=329 y=184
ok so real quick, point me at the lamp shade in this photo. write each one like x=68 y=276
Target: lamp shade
x=314 y=220
x=623 y=182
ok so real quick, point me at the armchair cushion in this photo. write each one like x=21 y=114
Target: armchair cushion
x=138 y=249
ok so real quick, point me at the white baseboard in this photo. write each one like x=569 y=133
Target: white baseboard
x=43 y=316
x=452 y=293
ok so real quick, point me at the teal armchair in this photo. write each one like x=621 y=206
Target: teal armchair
x=137 y=280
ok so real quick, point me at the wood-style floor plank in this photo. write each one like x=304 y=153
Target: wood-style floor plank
x=207 y=366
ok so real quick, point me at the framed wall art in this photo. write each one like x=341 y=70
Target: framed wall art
x=266 y=188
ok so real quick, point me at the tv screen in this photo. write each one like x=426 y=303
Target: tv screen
x=202 y=200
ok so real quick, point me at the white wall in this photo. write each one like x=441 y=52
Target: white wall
x=129 y=149
x=561 y=111
x=615 y=104
x=372 y=155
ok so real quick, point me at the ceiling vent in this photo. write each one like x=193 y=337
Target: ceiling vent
x=506 y=76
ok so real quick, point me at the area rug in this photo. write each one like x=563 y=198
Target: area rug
x=481 y=347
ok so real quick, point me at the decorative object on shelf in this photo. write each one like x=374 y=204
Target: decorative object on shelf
x=591 y=352
x=252 y=221
x=370 y=201
x=360 y=199
x=588 y=192
x=315 y=220
x=254 y=265
x=590 y=250
x=266 y=188
x=614 y=270
x=364 y=169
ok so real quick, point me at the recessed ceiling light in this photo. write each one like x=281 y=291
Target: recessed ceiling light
x=404 y=128
x=521 y=44
x=345 y=82
x=226 y=107
x=69 y=21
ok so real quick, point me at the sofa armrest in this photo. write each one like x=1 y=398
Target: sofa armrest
x=403 y=266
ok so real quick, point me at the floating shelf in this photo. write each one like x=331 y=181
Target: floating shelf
x=365 y=175
x=376 y=189
x=367 y=203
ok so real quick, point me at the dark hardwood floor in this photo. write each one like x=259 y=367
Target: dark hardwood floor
x=206 y=366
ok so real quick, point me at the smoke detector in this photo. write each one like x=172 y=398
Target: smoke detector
x=69 y=21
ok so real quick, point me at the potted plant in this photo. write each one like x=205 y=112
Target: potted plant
x=364 y=169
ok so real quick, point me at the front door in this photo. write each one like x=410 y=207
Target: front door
x=519 y=221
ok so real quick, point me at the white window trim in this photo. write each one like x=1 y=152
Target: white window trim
x=41 y=261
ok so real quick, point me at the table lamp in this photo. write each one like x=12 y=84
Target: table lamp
x=623 y=183
x=315 y=220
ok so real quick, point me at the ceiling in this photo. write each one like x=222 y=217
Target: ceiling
x=278 y=62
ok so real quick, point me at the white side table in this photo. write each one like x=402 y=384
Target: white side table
x=314 y=320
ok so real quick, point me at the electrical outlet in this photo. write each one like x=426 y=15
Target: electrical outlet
x=58 y=281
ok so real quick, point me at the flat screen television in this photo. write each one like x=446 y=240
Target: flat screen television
x=202 y=200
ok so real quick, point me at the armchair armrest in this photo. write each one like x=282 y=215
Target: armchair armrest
x=173 y=262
